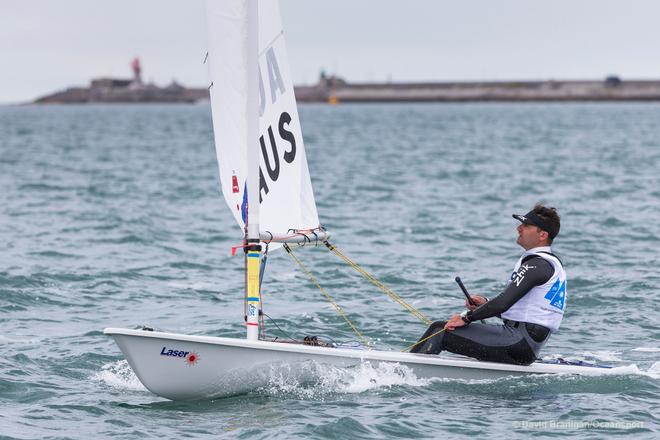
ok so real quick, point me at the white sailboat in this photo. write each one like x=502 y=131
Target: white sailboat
x=261 y=156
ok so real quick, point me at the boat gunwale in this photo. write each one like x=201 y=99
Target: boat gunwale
x=364 y=355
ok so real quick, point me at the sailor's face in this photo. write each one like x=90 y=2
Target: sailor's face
x=529 y=236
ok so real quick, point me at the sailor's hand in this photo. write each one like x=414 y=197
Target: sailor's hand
x=477 y=299
x=454 y=322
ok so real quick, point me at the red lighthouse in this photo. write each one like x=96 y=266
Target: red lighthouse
x=137 y=70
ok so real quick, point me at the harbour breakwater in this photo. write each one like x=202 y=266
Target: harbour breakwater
x=336 y=90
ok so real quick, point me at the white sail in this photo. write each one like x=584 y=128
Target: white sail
x=285 y=188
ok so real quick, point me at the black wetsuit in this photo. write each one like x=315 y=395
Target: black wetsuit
x=512 y=342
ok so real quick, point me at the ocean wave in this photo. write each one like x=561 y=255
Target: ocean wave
x=647 y=349
x=198 y=285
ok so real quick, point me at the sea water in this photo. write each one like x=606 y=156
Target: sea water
x=112 y=215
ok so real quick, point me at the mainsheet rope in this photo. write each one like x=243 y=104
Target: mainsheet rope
x=364 y=340
x=423 y=340
x=416 y=313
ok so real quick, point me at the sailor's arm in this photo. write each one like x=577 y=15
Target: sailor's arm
x=534 y=272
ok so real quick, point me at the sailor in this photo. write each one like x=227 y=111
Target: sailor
x=531 y=306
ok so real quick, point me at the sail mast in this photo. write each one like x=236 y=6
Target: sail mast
x=259 y=144
x=253 y=248
x=252 y=125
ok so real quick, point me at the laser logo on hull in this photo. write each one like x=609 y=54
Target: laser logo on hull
x=190 y=357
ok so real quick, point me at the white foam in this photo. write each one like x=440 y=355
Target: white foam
x=319 y=380
x=604 y=355
x=549 y=357
x=647 y=349
x=613 y=356
x=633 y=370
x=478 y=381
x=119 y=375
x=654 y=370
x=385 y=375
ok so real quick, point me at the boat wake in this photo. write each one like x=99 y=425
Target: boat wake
x=614 y=356
x=320 y=380
x=653 y=372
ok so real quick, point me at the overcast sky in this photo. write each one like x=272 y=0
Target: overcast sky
x=50 y=45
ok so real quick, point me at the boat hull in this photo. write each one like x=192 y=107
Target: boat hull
x=187 y=367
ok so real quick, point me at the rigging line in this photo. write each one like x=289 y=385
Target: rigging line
x=389 y=292
x=363 y=340
x=280 y=329
x=423 y=340
x=416 y=313
x=384 y=288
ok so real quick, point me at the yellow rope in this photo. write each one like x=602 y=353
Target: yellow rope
x=416 y=313
x=423 y=340
x=364 y=340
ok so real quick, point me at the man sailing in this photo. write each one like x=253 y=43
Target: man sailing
x=531 y=306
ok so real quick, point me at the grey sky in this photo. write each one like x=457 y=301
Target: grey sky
x=49 y=45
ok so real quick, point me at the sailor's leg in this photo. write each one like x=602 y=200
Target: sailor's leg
x=488 y=342
x=432 y=345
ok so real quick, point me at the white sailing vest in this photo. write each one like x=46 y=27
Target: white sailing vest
x=544 y=304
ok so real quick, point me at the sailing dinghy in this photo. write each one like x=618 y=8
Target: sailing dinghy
x=261 y=156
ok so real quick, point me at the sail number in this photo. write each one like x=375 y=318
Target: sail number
x=272 y=156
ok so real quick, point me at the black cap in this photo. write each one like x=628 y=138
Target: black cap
x=532 y=219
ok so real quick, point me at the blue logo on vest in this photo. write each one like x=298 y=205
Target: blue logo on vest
x=557 y=294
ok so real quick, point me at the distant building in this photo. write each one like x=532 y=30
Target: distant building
x=126 y=90
x=613 y=81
